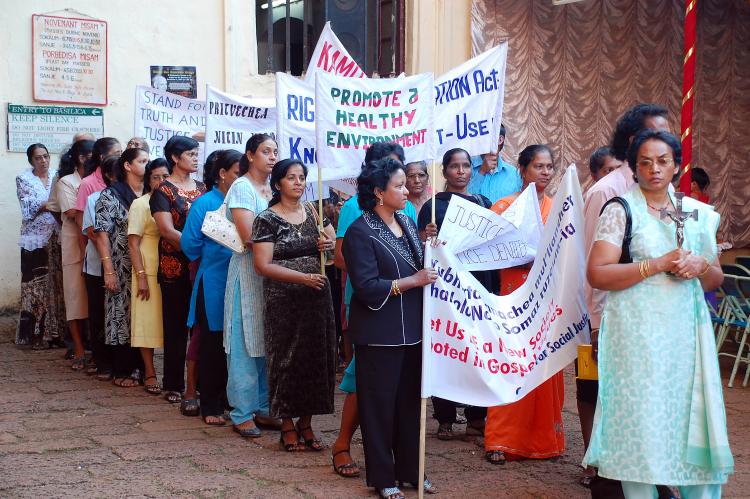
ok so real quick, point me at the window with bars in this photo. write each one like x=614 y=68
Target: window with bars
x=371 y=30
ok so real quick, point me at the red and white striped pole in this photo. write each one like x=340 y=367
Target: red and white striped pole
x=688 y=91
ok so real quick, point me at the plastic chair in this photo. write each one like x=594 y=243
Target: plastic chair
x=737 y=317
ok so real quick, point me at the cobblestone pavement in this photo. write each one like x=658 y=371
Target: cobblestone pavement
x=63 y=434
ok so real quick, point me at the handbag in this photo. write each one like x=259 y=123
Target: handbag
x=218 y=228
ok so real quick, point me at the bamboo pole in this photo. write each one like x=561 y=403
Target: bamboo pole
x=320 y=221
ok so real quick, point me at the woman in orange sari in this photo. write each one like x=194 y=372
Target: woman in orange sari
x=531 y=428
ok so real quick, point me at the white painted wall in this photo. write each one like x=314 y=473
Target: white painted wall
x=216 y=36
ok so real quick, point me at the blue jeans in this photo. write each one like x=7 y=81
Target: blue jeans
x=247 y=383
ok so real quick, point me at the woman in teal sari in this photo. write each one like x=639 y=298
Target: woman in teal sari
x=660 y=412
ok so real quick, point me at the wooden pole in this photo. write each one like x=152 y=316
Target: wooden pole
x=422 y=446
x=320 y=221
x=423 y=408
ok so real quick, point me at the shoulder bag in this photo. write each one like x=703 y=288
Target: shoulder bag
x=218 y=228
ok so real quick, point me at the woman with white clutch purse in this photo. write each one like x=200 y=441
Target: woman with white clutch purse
x=207 y=300
x=247 y=384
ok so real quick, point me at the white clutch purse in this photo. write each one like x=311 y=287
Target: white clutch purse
x=217 y=227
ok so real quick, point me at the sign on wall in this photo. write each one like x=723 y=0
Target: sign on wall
x=180 y=80
x=69 y=60
x=53 y=126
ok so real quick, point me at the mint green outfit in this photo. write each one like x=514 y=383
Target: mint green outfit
x=660 y=415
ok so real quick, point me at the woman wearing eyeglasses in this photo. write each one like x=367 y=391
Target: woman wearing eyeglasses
x=660 y=413
x=170 y=204
x=418 y=183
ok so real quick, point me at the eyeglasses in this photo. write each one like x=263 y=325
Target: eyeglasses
x=415 y=176
x=649 y=163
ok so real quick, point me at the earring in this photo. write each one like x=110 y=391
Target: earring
x=381 y=202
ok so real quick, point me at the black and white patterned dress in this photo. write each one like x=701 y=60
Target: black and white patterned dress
x=300 y=328
x=112 y=218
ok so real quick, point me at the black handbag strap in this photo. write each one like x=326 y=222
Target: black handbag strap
x=625 y=256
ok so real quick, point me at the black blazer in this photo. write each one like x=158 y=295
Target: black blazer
x=373 y=260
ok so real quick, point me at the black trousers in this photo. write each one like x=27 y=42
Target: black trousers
x=101 y=352
x=388 y=389
x=125 y=360
x=445 y=411
x=212 y=363
x=175 y=305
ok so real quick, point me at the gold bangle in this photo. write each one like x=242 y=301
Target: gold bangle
x=708 y=267
x=109 y=273
x=394 y=288
x=106 y=258
x=140 y=272
x=648 y=268
x=642 y=269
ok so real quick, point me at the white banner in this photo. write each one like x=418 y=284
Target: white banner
x=483 y=240
x=231 y=119
x=352 y=114
x=465 y=98
x=487 y=350
x=160 y=115
x=330 y=56
x=295 y=126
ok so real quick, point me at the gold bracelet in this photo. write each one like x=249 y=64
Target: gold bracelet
x=106 y=258
x=648 y=268
x=395 y=291
x=708 y=267
x=140 y=272
x=642 y=268
x=109 y=273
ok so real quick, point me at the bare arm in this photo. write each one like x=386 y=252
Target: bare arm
x=101 y=240
x=605 y=272
x=166 y=229
x=338 y=255
x=263 y=261
x=243 y=220
x=136 y=258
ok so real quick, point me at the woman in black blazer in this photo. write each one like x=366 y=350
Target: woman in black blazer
x=383 y=255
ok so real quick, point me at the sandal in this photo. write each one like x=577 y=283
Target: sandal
x=152 y=388
x=445 y=431
x=78 y=364
x=429 y=488
x=125 y=382
x=172 y=397
x=391 y=493
x=290 y=447
x=218 y=420
x=348 y=470
x=495 y=457
x=249 y=432
x=311 y=443
x=189 y=407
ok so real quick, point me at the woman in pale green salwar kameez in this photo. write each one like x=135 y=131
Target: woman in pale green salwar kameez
x=660 y=413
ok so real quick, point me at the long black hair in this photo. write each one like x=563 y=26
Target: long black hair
x=223 y=159
x=252 y=145
x=278 y=172
x=99 y=152
x=527 y=155
x=69 y=160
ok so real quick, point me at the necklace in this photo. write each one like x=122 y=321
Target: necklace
x=658 y=209
x=297 y=227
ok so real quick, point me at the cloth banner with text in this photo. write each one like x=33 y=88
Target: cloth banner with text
x=330 y=56
x=160 y=115
x=486 y=350
x=483 y=240
x=231 y=119
x=351 y=114
x=469 y=103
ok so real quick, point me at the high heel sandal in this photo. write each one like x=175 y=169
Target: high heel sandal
x=311 y=443
x=289 y=447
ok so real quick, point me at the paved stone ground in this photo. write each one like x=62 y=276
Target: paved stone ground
x=63 y=434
